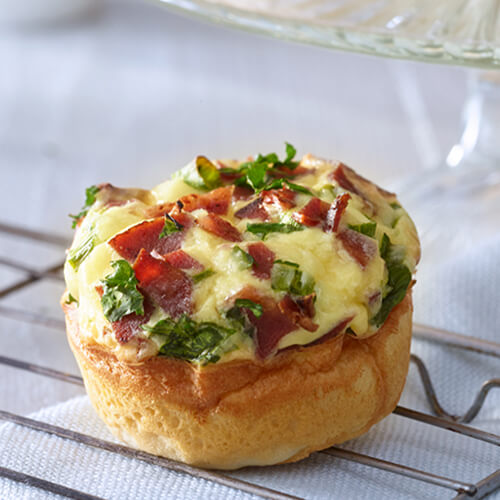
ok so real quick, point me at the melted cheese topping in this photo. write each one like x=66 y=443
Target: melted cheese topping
x=342 y=286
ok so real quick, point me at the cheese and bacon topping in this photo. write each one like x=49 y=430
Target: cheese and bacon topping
x=236 y=260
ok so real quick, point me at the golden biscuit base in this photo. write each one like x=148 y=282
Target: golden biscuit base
x=241 y=413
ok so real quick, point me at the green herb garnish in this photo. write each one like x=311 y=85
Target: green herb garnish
x=251 y=305
x=255 y=174
x=171 y=226
x=201 y=173
x=286 y=262
x=290 y=155
x=90 y=197
x=392 y=254
x=384 y=245
x=186 y=339
x=398 y=281
x=287 y=277
x=278 y=183
x=71 y=299
x=262 y=229
x=368 y=228
x=244 y=259
x=238 y=315
x=397 y=214
x=120 y=295
x=201 y=276
x=78 y=254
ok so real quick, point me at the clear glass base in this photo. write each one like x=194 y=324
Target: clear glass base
x=457 y=205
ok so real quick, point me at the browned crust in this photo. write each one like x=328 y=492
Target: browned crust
x=230 y=415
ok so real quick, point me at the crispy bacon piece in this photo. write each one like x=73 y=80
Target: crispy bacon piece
x=128 y=326
x=160 y=209
x=216 y=201
x=272 y=325
x=318 y=212
x=344 y=177
x=336 y=330
x=189 y=202
x=360 y=247
x=172 y=209
x=335 y=213
x=254 y=210
x=184 y=219
x=301 y=313
x=220 y=227
x=313 y=214
x=263 y=259
x=182 y=260
x=242 y=193
x=169 y=287
x=284 y=197
x=306 y=304
x=146 y=235
x=349 y=179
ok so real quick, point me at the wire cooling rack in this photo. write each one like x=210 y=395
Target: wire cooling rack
x=441 y=418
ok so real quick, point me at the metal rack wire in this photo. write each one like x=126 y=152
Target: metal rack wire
x=441 y=418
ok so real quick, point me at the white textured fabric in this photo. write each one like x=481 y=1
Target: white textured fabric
x=132 y=95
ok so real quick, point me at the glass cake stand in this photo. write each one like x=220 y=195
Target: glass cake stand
x=464 y=190
x=464 y=32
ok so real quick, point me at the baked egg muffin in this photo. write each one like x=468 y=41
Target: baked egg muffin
x=242 y=313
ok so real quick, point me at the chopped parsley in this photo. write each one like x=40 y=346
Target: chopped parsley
x=384 y=245
x=398 y=281
x=290 y=155
x=255 y=174
x=263 y=229
x=201 y=276
x=238 y=315
x=79 y=253
x=186 y=339
x=171 y=226
x=244 y=259
x=120 y=295
x=278 y=183
x=368 y=228
x=90 y=198
x=71 y=299
x=251 y=305
x=397 y=214
x=201 y=174
x=287 y=277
